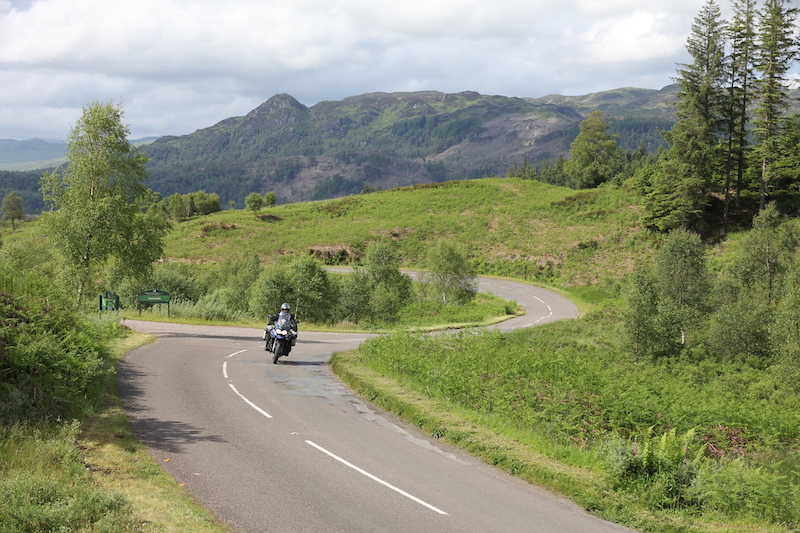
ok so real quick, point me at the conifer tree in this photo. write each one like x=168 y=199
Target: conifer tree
x=701 y=96
x=776 y=54
x=681 y=187
x=742 y=45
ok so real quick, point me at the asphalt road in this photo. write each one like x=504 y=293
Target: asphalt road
x=287 y=448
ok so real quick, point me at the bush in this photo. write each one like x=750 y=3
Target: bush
x=211 y=307
x=254 y=202
x=273 y=287
x=452 y=278
x=304 y=284
x=51 y=360
x=391 y=289
x=355 y=292
x=315 y=294
x=178 y=280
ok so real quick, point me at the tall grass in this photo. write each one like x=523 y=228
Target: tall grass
x=45 y=487
x=560 y=379
x=686 y=429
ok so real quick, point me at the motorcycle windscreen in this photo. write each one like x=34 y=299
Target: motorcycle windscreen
x=284 y=323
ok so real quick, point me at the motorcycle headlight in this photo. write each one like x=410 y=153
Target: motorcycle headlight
x=281 y=332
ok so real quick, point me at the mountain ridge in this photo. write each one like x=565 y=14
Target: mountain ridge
x=380 y=140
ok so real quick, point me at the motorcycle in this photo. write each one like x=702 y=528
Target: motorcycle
x=280 y=337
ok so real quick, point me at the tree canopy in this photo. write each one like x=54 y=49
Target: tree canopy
x=95 y=212
x=594 y=157
x=12 y=208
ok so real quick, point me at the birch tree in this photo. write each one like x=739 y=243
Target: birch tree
x=95 y=213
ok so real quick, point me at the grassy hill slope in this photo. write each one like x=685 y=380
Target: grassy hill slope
x=564 y=405
x=509 y=227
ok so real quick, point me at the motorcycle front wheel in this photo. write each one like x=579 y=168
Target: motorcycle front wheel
x=277 y=351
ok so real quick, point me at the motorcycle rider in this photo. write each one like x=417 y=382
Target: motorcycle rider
x=273 y=319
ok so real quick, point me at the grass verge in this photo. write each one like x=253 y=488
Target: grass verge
x=569 y=470
x=91 y=475
x=119 y=462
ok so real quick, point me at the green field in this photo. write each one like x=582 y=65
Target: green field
x=511 y=227
x=687 y=442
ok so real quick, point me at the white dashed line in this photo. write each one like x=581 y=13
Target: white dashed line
x=379 y=480
x=248 y=402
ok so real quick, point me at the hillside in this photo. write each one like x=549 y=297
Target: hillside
x=28 y=154
x=384 y=140
x=626 y=102
x=375 y=140
x=509 y=227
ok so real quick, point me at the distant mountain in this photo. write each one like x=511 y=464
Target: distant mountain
x=36 y=154
x=384 y=140
x=18 y=152
x=375 y=140
x=628 y=102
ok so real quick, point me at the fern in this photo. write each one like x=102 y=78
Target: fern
x=669 y=452
x=667 y=464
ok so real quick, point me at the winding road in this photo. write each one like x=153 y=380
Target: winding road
x=287 y=448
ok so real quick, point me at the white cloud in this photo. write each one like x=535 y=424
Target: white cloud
x=640 y=36
x=179 y=65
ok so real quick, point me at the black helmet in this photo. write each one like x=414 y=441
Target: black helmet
x=285 y=307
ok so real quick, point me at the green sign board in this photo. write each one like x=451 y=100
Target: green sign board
x=154 y=296
x=108 y=301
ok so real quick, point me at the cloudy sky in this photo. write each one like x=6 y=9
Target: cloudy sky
x=180 y=65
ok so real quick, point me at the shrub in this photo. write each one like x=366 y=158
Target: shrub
x=391 y=288
x=254 y=202
x=51 y=361
x=273 y=287
x=177 y=279
x=304 y=284
x=315 y=294
x=210 y=307
x=355 y=293
x=452 y=278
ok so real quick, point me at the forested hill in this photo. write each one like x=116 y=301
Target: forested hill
x=372 y=141
x=384 y=140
